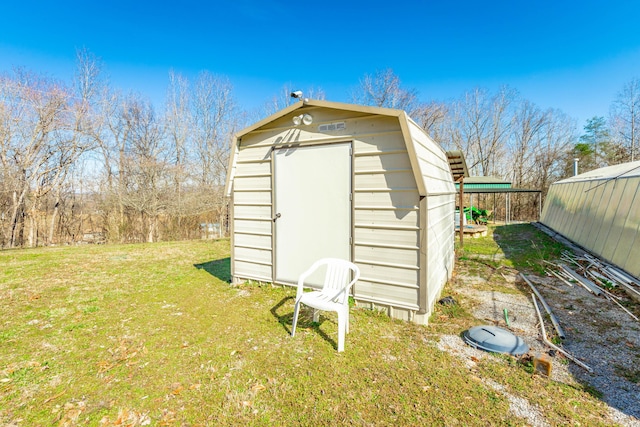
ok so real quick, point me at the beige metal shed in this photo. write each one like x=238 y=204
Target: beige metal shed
x=600 y=211
x=324 y=179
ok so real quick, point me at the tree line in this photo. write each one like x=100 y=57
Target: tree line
x=84 y=162
x=81 y=161
x=506 y=136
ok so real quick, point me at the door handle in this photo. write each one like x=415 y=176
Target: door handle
x=276 y=217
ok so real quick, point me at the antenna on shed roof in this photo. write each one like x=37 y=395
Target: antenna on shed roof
x=298 y=95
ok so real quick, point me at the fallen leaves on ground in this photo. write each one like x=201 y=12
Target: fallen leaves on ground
x=127 y=418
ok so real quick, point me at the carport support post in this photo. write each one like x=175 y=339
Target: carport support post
x=539 y=205
x=461 y=212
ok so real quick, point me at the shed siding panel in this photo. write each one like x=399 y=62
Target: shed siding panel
x=384 y=199
x=389 y=180
x=383 y=274
x=252 y=241
x=382 y=162
x=252 y=227
x=405 y=276
x=387 y=217
x=253 y=168
x=252 y=183
x=252 y=211
x=389 y=237
x=390 y=141
x=250 y=270
x=370 y=254
x=248 y=154
x=391 y=295
x=262 y=256
x=440 y=257
x=251 y=197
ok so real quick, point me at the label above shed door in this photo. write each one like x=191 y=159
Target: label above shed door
x=329 y=127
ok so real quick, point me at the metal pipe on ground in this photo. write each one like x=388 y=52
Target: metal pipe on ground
x=553 y=318
x=560 y=277
x=588 y=284
x=623 y=276
x=622 y=307
x=602 y=288
x=550 y=344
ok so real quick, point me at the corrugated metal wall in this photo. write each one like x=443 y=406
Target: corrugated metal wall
x=386 y=206
x=602 y=216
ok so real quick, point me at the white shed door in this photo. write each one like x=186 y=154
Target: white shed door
x=312 y=201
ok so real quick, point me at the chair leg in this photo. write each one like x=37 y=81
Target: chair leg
x=295 y=318
x=316 y=315
x=346 y=315
x=342 y=326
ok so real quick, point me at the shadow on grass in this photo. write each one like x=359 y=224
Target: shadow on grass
x=305 y=320
x=220 y=268
x=526 y=247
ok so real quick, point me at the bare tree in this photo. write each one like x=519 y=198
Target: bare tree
x=215 y=119
x=178 y=127
x=552 y=154
x=87 y=84
x=432 y=117
x=384 y=89
x=40 y=142
x=214 y=124
x=144 y=181
x=528 y=123
x=624 y=119
x=481 y=129
x=178 y=121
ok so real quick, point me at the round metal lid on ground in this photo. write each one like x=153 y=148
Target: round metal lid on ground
x=495 y=340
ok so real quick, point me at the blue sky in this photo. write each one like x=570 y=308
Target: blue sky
x=571 y=55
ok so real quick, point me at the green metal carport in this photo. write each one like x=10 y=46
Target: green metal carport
x=492 y=185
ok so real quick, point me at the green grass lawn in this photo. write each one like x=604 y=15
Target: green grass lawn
x=153 y=334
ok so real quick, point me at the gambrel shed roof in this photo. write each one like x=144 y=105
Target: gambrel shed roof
x=416 y=141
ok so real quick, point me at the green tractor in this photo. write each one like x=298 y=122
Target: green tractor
x=476 y=216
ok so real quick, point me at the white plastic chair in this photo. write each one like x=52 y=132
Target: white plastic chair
x=334 y=295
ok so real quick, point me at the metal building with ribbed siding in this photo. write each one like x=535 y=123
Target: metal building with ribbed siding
x=600 y=211
x=324 y=179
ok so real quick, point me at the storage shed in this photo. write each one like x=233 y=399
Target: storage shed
x=600 y=211
x=324 y=179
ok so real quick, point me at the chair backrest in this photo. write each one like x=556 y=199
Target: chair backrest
x=338 y=278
